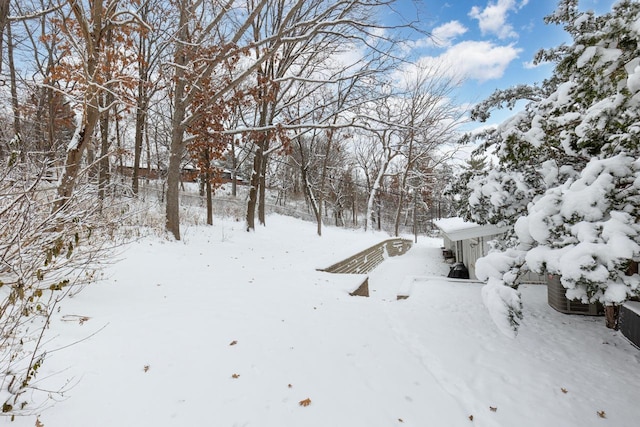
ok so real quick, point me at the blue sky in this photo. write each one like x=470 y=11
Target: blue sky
x=490 y=42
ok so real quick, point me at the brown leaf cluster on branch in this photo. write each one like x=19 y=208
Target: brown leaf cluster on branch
x=105 y=39
x=212 y=67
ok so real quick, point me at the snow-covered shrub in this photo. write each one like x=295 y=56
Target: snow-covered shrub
x=45 y=256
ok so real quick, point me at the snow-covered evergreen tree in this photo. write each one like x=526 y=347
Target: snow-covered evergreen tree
x=569 y=174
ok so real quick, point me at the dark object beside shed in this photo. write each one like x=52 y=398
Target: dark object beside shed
x=630 y=321
x=458 y=271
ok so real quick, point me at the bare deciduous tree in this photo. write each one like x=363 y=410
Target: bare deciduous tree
x=428 y=120
x=200 y=24
x=88 y=60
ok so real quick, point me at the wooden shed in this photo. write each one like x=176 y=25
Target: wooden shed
x=467 y=241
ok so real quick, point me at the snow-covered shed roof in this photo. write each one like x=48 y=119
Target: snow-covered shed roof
x=458 y=229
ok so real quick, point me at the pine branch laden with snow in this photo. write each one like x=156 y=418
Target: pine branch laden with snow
x=504 y=305
x=569 y=178
x=500 y=295
x=586 y=231
x=501 y=196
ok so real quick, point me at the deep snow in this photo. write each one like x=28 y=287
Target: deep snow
x=155 y=342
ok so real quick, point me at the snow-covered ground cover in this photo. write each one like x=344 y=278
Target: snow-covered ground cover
x=229 y=328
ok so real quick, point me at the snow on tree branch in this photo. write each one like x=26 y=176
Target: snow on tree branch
x=568 y=178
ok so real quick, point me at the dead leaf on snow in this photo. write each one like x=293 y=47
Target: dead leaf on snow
x=234 y=342
x=305 y=402
x=602 y=414
x=400 y=420
x=564 y=390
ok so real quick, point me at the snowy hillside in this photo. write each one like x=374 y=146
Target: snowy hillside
x=229 y=328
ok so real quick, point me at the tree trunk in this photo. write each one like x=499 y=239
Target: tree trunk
x=172 y=207
x=51 y=124
x=207 y=185
x=14 y=93
x=103 y=177
x=209 y=200
x=234 y=171
x=354 y=207
x=148 y=148
x=253 y=190
x=234 y=161
x=611 y=313
x=4 y=15
x=105 y=120
x=75 y=151
x=308 y=190
x=315 y=208
x=368 y=221
x=172 y=224
x=399 y=212
x=119 y=149
x=141 y=117
x=138 y=141
x=415 y=216
x=323 y=180
x=262 y=188
x=72 y=167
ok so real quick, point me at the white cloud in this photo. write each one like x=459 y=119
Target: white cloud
x=446 y=33
x=475 y=60
x=493 y=18
x=441 y=36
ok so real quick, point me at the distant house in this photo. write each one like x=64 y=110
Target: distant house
x=227 y=176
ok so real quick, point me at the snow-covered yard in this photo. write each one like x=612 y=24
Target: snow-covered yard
x=229 y=328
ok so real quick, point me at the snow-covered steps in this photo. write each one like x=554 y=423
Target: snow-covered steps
x=368 y=259
x=404 y=290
